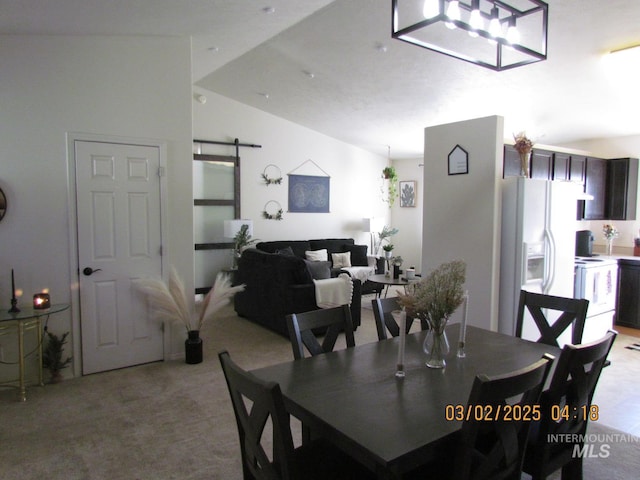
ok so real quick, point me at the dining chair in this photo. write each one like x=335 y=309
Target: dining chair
x=566 y=409
x=385 y=323
x=574 y=313
x=304 y=328
x=258 y=403
x=493 y=437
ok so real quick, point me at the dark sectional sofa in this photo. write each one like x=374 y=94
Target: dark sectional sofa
x=278 y=284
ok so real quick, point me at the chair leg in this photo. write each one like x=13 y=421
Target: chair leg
x=572 y=470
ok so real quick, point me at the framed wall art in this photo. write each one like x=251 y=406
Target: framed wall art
x=408 y=193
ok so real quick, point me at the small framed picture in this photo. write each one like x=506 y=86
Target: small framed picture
x=458 y=161
x=408 y=193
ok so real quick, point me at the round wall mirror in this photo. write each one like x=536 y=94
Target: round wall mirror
x=3 y=204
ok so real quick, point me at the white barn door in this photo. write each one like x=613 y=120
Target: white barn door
x=119 y=239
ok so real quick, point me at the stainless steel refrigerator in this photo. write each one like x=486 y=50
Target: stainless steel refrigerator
x=537 y=245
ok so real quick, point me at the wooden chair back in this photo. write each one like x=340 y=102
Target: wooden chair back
x=567 y=408
x=574 y=313
x=264 y=403
x=492 y=449
x=302 y=326
x=385 y=323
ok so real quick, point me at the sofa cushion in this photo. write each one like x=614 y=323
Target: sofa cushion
x=298 y=246
x=317 y=255
x=358 y=255
x=285 y=251
x=341 y=260
x=333 y=245
x=319 y=270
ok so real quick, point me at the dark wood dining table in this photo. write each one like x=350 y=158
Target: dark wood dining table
x=392 y=425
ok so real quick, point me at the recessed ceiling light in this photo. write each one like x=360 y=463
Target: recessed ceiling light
x=382 y=48
x=265 y=95
x=269 y=10
x=214 y=49
x=309 y=74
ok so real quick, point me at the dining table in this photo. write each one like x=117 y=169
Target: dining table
x=391 y=424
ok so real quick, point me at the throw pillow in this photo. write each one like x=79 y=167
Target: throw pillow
x=358 y=255
x=341 y=260
x=319 y=270
x=285 y=251
x=317 y=255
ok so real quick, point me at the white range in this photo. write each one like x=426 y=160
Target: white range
x=597 y=281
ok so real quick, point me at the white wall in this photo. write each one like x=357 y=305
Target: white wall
x=462 y=213
x=408 y=220
x=355 y=173
x=122 y=86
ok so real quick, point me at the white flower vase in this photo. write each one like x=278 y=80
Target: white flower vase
x=524 y=164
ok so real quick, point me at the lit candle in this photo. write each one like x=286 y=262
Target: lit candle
x=463 y=325
x=41 y=301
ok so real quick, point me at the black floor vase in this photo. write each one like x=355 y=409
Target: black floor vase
x=193 y=347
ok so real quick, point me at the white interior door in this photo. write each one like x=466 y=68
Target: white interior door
x=119 y=239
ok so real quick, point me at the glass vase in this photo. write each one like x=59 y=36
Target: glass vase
x=609 y=246
x=436 y=344
x=524 y=164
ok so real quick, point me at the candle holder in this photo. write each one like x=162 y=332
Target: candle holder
x=14 y=301
x=400 y=316
x=41 y=301
x=14 y=306
x=463 y=327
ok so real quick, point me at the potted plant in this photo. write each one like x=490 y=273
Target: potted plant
x=389 y=173
x=384 y=235
x=241 y=241
x=52 y=356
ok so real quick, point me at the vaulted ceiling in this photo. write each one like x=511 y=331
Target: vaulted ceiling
x=332 y=66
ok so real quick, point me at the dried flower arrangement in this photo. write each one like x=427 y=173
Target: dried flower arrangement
x=609 y=231
x=438 y=295
x=170 y=300
x=523 y=145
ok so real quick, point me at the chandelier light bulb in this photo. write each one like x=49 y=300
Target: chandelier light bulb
x=430 y=9
x=475 y=19
x=453 y=13
x=513 y=35
x=495 y=28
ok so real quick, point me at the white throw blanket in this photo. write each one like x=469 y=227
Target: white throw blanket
x=361 y=273
x=333 y=292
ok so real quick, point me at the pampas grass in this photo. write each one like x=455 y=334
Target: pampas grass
x=169 y=300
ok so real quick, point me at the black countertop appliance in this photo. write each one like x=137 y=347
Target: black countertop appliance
x=584 y=243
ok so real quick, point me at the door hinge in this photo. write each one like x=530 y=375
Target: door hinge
x=161 y=171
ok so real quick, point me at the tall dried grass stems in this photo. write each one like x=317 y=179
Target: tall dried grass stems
x=169 y=300
x=438 y=295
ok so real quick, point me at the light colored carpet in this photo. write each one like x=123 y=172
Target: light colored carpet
x=165 y=420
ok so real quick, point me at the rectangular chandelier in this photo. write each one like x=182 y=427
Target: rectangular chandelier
x=496 y=34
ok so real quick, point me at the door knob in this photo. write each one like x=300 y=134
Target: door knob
x=88 y=270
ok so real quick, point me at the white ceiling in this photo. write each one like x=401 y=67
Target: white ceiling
x=333 y=67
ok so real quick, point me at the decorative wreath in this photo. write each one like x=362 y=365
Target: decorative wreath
x=276 y=180
x=269 y=216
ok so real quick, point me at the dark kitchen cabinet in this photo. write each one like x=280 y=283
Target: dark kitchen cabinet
x=622 y=188
x=511 y=162
x=628 y=303
x=577 y=168
x=596 y=186
x=540 y=166
x=540 y=163
x=561 y=166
